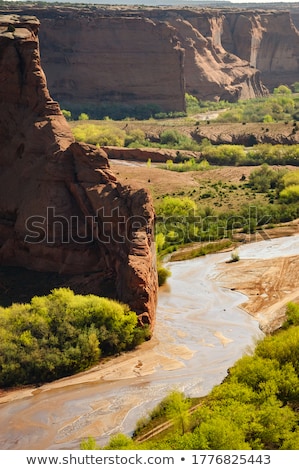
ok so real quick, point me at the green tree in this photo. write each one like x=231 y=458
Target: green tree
x=290 y=194
x=67 y=114
x=220 y=433
x=62 y=333
x=177 y=410
x=83 y=117
x=192 y=103
x=264 y=178
x=282 y=90
x=175 y=206
x=292 y=314
x=89 y=444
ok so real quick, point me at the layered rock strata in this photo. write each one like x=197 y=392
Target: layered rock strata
x=140 y=56
x=61 y=208
x=151 y=56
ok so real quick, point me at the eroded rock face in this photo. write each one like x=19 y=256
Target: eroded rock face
x=268 y=40
x=139 y=56
x=212 y=72
x=119 y=60
x=61 y=208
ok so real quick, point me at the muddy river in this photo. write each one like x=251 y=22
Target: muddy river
x=200 y=333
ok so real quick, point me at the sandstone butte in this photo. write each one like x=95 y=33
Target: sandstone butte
x=149 y=55
x=62 y=210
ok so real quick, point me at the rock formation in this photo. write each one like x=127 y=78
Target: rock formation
x=268 y=40
x=212 y=72
x=140 y=56
x=62 y=211
x=133 y=56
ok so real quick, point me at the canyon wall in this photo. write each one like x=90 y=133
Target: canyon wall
x=139 y=56
x=62 y=210
x=93 y=60
x=104 y=57
x=268 y=40
x=227 y=41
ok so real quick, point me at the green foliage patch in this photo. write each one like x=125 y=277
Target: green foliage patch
x=61 y=334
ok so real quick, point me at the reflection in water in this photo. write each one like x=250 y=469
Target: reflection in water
x=200 y=330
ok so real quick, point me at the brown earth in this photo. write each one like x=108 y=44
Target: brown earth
x=161 y=182
x=268 y=284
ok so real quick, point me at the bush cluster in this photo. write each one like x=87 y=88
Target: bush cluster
x=61 y=334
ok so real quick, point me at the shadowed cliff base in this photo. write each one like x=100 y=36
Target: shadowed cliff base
x=19 y=285
x=62 y=210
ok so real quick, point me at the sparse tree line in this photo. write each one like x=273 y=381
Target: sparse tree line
x=60 y=334
x=102 y=134
x=282 y=104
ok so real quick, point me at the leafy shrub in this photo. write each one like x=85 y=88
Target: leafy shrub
x=170 y=137
x=282 y=90
x=224 y=154
x=163 y=274
x=263 y=179
x=60 y=334
x=291 y=178
x=234 y=257
x=290 y=194
x=292 y=313
x=99 y=134
x=187 y=165
x=67 y=114
x=83 y=117
x=135 y=138
x=175 y=206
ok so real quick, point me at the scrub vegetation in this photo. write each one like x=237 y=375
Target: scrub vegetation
x=60 y=334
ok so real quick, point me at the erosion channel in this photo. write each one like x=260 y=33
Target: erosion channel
x=200 y=332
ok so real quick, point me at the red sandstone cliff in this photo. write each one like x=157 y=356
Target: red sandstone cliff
x=211 y=71
x=61 y=208
x=95 y=60
x=268 y=40
x=137 y=56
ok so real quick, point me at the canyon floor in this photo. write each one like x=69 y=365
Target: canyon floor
x=268 y=284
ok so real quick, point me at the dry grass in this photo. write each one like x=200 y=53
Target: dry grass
x=223 y=184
